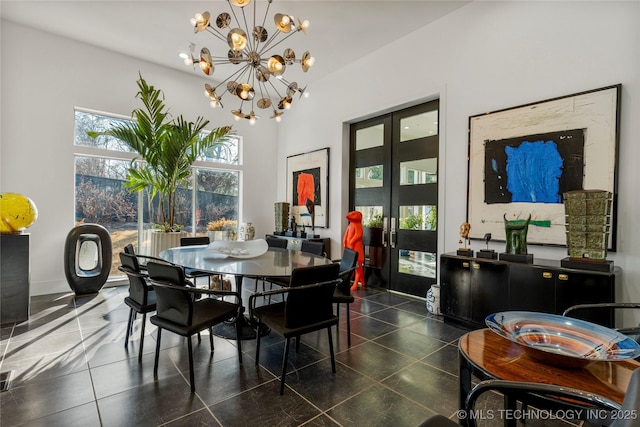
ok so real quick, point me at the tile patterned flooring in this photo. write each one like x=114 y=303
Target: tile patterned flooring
x=69 y=367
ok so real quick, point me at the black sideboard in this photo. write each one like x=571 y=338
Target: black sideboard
x=473 y=288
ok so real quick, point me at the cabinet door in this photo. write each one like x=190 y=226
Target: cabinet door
x=532 y=288
x=489 y=289
x=577 y=287
x=455 y=287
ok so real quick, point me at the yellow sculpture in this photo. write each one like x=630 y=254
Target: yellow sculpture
x=17 y=213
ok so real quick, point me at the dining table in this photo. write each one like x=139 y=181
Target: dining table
x=274 y=263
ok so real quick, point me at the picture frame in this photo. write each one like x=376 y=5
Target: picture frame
x=523 y=159
x=308 y=176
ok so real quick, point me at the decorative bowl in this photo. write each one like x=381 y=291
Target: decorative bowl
x=562 y=341
x=237 y=249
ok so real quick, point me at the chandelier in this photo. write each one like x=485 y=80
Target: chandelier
x=258 y=78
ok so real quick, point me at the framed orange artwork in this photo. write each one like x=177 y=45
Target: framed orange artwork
x=308 y=187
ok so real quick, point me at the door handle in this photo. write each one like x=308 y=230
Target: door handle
x=384 y=231
x=393 y=234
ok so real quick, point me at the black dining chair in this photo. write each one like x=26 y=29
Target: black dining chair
x=272 y=242
x=142 y=259
x=632 y=331
x=275 y=242
x=342 y=293
x=179 y=313
x=310 y=247
x=522 y=391
x=194 y=274
x=141 y=299
x=308 y=307
x=315 y=248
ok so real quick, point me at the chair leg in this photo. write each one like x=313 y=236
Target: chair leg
x=199 y=338
x=144 y=321
x=257 y=342
x=135 y=316
x=333 y=359
x=155 y=363
x=126 y=336
x=191 y=374
x=239 y=340
x=348 y=326
x=211 y=338
x=285 y=358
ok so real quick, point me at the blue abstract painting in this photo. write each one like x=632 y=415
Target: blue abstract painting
x=534 y=168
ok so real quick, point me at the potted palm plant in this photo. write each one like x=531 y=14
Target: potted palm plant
x=168 y=147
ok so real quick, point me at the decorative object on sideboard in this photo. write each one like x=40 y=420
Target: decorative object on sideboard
x=487 y=253
x=17 y=213
x=588 y=223
x=465 y=228
x=259 y=69
x=311 y=212
x=516 y=232
x=281 y=212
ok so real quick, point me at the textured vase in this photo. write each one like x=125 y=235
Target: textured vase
x=588 y=218
x=281 y=216
x=247 y=231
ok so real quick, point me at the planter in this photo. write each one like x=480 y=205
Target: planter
x=219 y=235
x=157 y=241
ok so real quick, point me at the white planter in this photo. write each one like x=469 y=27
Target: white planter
x=219 y=235
x=157 y=241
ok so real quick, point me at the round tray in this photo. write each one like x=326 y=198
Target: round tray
x=562 y=341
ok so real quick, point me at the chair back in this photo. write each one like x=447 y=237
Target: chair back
x=315 y=304
x=315 y=248
x=348 y=264
x=274 y=242
x=128 y=249
x=192 y=241
x=138 y=290
x=172 y=303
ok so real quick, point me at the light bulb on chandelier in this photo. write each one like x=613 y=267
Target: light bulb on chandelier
x=250 y=52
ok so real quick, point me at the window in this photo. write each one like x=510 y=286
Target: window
x=101 y=166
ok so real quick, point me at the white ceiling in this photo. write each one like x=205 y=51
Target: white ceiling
x=157 y=31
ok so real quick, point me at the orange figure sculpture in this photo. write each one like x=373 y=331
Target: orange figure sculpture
x=353 y=240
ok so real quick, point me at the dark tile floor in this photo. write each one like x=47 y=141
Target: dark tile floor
x=69 y=367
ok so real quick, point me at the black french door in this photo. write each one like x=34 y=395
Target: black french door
x=394 y=183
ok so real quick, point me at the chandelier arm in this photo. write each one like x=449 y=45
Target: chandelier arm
x=233 y=75
x=280 y=41
x=217 y=34
x=267 y=44
x=233 y=11
x=275 y=88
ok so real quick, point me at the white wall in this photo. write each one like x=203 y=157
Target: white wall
x=43 y=78
x=484 y=57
